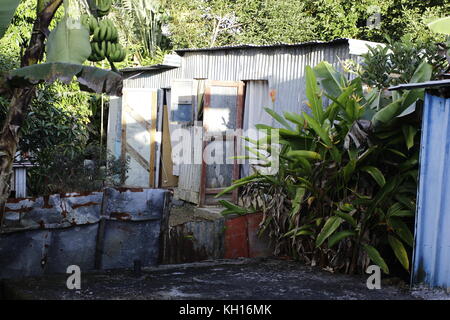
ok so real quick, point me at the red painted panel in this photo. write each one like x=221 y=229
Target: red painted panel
x=236 y=241
x=258 y=246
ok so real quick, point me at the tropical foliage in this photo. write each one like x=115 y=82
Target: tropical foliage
x=203 y=23
x=347 y=177
x=140 y=24
x=45 y=115
x=59 y=170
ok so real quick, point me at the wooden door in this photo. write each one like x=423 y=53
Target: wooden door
x=139 y=121
x=222 y=116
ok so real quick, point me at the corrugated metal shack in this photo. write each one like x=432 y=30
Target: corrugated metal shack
x=209 y=91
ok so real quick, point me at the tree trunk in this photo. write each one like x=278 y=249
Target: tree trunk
x=21 y=97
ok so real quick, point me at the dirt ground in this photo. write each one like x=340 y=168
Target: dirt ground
x=242 y=279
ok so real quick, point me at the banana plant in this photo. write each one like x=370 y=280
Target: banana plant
x=67 y=49
x=442 y=25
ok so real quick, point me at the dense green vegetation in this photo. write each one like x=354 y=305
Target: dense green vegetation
x=61 y=127
x=345 y=191
x=149 y=28
x=203 y=23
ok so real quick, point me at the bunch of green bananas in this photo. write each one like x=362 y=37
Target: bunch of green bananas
x=103 y=7
x=105 y=31
x=105 y=49
x=104 y=41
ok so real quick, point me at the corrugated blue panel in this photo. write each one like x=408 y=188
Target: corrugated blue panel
x=432 y=243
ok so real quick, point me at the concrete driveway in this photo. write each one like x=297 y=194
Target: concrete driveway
x=242 y=279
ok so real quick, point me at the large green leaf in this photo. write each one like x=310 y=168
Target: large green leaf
x=297 y=201
x=400 y=251
x=375 y=256
x=347 y=217
x=409 y=132
x=338 y=236
x=331 y=80
x=394 y=109
x=279 y=118
x=441 y=25
x=318 y=129
x=329 y=227
x=313 y=95
x=91 y=79
x=69 y=42
x=376 y=174
x=401 y=229
x=233 y=209
x=304 y=154
x=295 y=118
x=349 y=169
x=7 y=9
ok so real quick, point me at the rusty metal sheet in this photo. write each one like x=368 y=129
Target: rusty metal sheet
x=24 y=254
x=55 y=211
x=134 y=204
x=72 y=246
x=46 y=235
x=125 y=242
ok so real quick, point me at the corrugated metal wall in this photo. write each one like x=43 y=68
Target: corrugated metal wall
x=283 y=67
x=432 y=237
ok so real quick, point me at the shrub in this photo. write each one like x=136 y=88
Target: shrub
x=347 y=177
x=58 y=171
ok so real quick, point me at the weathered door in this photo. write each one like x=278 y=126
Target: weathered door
x=139 y=121
x=222 y=116
x=182 y=116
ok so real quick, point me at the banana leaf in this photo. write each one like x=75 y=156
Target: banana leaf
x=330 y=79
x=69 y=42
x=441 y=25
x=7 y=10
x=91 y=79
x=397 y=107
x=313 y=95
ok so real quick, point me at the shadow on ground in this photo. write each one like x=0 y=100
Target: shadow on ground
x=216 y=280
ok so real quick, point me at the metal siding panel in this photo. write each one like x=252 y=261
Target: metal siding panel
x=20 y=182
x=284 y=67
x=432 y=241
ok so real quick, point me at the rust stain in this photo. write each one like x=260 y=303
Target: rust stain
x=120 y=215
x=77 y=194
x=47 y=205
x=182 y=247
x=130 y=189
x=17 y=200
x=21 y=210
x=87 y=204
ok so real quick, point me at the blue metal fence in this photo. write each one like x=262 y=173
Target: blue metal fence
x=431 y=261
